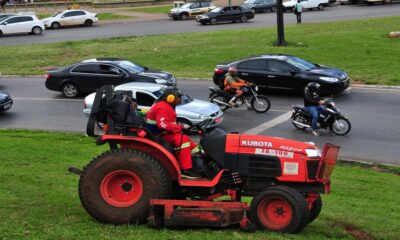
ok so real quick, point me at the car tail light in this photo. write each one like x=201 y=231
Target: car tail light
x=47 y=76
x=218 y=70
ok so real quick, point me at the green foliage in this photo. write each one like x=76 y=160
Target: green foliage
x=39 y=198
x=112 y=16
x=360 y=47
x=152 y=9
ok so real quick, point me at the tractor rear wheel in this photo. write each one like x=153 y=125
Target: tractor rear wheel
x=116 y=186
x=280 y=209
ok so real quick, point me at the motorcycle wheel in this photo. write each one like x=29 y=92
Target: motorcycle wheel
x=299 y=118
x=341 y=126
x=262 y=105
x=222 y=99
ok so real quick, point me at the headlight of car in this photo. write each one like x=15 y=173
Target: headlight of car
x=329 y=79
x=312 y=153
x=161 y=81
x=202 y=116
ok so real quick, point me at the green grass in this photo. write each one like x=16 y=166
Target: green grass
x=39 y=198
x=361 y=47
x=152 y=9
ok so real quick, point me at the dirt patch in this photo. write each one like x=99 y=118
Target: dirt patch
x=355 y=231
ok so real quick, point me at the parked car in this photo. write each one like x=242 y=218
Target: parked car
x=6 y=101
x=307 y=4
x=21 y=24
x=70 y=18
x=226 y=14
x=6 y=15
x=87 y=76
x=285 y=72
x=190 y=111
x=260 y=5
x=190 y=10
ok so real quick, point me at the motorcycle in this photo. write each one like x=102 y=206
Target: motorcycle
x=250 y=97
x=332 y=119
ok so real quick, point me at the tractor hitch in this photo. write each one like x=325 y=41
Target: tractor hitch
x=75 y=170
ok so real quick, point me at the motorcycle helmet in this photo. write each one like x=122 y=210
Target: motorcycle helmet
x=313 y=87
x=232 y=70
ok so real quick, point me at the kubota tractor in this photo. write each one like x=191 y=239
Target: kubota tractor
x=139 y=180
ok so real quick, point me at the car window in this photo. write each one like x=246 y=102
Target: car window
x=300 y=63
x=236 y=9
x=278 y=66
x=195 y=5
x=257 y=65
x=79 y=13
x=86 y=68
x=131 y=67
x=109 y=69
x=186 y=99
x=205 y=4
x=144 y=99
x=19 y=19
x=227 y=9
x=216 y=10
x=68 y=14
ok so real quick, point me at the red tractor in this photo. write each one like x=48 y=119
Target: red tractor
x=139 y=180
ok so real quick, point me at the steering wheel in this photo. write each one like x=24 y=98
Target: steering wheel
x=201 y=127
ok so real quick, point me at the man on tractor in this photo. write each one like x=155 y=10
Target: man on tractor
x=162 y=118
x=232 y=83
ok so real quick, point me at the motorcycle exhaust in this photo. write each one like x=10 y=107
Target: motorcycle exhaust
x=301 y=124
x=220 y=102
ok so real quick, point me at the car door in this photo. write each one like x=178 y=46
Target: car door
x=17 y=25
x=281 y=74
x=253 y=71
x=86 y=76
x=67 y=19
x=111 y=75
x=195 y=9
x=236 y=14
x=79 y=17
x=144 y=100
x=225 y=15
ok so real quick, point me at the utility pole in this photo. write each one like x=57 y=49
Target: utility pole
x=280 y=25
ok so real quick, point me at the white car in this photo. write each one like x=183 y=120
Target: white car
x=70 y=18
x=190 y=111
x=306 y=4
x=21 y=24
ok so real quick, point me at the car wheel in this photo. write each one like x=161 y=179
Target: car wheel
x=320 y=7
x=36 y=30
x=1 y=33
x=88 y=23
x=273 y=9
x=202 y=23
x=70 y=90
x=214 y=21
x=55 y=25
x=243 y=19
x=183 y=16
x=387 y=1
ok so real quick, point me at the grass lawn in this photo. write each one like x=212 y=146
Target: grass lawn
x=39 y=198
x=152 y=9
x=101 y=16
x=361 y=47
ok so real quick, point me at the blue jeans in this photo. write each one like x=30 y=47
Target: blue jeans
x=314 y=111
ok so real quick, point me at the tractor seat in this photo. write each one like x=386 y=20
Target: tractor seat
x=213 y=144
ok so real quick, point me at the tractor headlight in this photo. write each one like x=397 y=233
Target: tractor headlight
x=312 y=153
x=329 y=79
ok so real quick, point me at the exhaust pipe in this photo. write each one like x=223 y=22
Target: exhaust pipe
x=222 y=103
x=301 y=124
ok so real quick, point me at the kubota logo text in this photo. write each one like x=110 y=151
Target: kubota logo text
x=249 y=143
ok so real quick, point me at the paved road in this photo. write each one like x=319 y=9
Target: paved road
x=167 y=26
x=374 y=114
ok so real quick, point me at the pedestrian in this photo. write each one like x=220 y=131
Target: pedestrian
x=297 y=9
x=2 y=5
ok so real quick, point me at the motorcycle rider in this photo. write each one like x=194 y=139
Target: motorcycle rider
x=162 y=117
x=232 y=83
x=313 y=102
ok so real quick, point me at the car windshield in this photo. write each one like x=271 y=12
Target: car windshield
x=57 y=13
x=131 y=67
x=218 y=9
x=300 y=63
x=250 y=1
x=157 y=94
x=186 y=99
x=187 y=5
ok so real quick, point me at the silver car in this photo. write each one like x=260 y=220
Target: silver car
x=190 y=111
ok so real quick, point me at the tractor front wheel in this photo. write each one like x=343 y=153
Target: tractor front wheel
x=315 y=209
x=280 y=209
x=116 y=186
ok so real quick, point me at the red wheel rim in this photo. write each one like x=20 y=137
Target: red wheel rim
x=275 y=213
x=121 y=188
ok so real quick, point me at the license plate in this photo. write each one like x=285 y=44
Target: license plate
x=7 y=106
x=218 y=120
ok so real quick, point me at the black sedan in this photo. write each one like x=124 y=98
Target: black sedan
x=87 y=76
x=285 y=72
x=5 y=101
x=226 y=14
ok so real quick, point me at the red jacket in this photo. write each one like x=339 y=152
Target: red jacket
x=164 y=116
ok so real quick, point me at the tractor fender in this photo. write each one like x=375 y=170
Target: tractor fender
x=150 y=147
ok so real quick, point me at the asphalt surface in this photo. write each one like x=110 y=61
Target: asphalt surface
x=167 y=26
x=374 y=114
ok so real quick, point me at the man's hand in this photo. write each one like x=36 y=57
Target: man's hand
x=322 y=102
x=185 y=126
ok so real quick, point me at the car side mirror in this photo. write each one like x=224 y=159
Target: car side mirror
x=145 y=68
x=293 y=72
x=5 y=24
